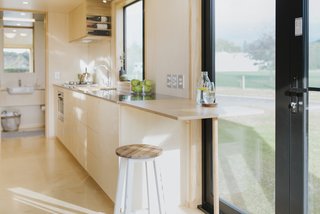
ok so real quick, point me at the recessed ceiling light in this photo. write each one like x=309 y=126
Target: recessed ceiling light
x=25 y=2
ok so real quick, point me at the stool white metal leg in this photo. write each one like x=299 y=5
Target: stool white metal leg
x=119 y=194
x=159 y=187
x=148 y=193
x=129 y=186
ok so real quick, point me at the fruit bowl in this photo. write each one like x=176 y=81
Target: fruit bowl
x=141 y=87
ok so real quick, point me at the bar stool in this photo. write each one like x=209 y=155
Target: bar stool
x=129 y=155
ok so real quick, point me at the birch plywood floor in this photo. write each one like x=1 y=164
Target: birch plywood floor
x=38 y=176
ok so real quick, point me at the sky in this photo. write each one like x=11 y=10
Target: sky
x=246 y=20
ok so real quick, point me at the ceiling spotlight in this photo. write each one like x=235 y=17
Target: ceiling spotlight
x=104 y=1
x=25 y=2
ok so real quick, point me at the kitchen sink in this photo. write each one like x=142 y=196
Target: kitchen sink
x=20 y=90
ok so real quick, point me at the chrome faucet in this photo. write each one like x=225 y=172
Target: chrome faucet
x=19 y=83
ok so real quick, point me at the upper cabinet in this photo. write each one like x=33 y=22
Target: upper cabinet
x=90 y=19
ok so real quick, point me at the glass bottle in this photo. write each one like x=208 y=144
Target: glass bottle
x=202 y=86
x=209 y=96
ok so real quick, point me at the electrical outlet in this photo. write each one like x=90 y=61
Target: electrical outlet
x=56 y=75
x=169 y=80
x=174 y=81
x=180 y=81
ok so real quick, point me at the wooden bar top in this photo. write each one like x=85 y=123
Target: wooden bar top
x=178 y=109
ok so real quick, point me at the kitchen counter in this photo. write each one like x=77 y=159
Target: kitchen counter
x=113 y=95
x=169 y=122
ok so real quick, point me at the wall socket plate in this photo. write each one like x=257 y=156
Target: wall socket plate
x=180 y=81
x=169 y=80
x=174 y=81
x=57 y=75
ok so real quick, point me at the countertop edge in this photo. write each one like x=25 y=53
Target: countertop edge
x=176 y=108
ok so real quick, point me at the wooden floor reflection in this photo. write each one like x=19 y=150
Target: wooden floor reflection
x=40 y=176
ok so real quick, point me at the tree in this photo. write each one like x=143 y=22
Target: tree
x=226 y=46
x=263 y=51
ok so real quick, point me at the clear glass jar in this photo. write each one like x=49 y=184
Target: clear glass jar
x=202 y=86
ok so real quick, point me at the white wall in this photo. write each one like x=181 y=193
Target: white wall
x=68 y=59
x=63 y=57
x=167 y=39
x=99 y=55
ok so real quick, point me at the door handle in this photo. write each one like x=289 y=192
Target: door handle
x=296 y=101
x=293 y=107
x=296 y=92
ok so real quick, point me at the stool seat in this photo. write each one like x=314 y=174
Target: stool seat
x=139 y=151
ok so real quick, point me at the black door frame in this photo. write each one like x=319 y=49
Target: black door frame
x=291 y=128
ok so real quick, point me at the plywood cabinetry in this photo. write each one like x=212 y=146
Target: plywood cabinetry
x=90 y=132
x=77 y=23
x=103 y=139
x=91 y=20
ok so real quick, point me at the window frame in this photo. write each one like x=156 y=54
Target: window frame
x=143 y=36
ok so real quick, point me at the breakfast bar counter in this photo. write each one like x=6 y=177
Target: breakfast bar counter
x=187 y=110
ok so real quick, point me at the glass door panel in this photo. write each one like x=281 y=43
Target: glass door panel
x=314 y=153
x=314 y=107
x=314 y=43
x=245 y=79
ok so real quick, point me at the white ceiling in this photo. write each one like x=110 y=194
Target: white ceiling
x=41 y=5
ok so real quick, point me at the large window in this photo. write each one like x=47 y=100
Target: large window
x=133 y=40
x=18 y=50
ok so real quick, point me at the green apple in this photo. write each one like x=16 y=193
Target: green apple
x=135 y=82
x=147 y=89
x=138 y=89
x=148 y=83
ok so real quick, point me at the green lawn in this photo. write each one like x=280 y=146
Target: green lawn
x=261 y=79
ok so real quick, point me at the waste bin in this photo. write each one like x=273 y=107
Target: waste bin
x=10 y=121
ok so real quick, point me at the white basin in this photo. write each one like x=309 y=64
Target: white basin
x=20 y=90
